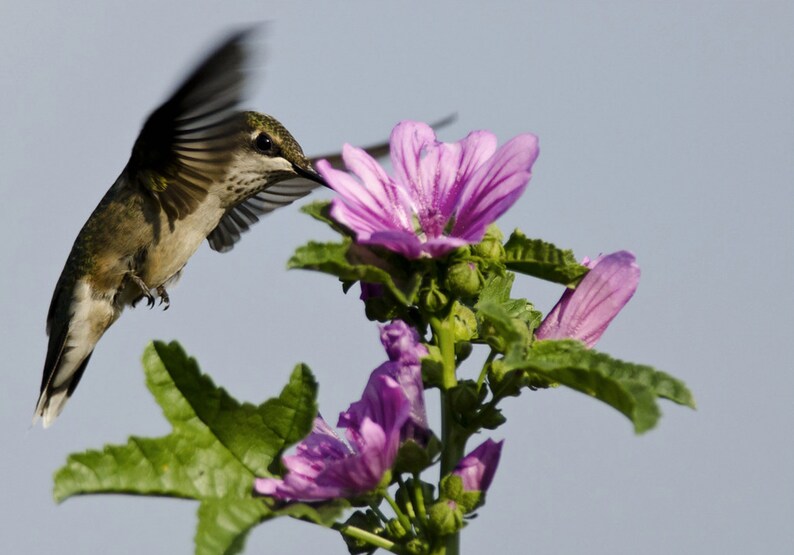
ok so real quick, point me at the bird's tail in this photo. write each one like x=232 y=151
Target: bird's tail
x=53 y=398
x=77 y=321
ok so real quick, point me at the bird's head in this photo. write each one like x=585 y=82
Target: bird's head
x=267 y=154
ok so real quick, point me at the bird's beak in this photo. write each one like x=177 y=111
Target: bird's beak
x=309 y=174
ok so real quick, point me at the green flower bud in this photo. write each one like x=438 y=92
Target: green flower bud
x=465 y=322
x=491 y=245
x=465 y=398
x=445 y=517
x=462 y=351
x=417 y=547
x=433 y=299
x=464 y=279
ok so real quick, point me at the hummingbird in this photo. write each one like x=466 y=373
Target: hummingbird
x=201 y=168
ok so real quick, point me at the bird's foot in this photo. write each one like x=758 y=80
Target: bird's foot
x=144 y=289
x=164 y=298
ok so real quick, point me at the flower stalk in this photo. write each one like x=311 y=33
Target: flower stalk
x=372 y=539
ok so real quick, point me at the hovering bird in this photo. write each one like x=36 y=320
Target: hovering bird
x=200 y=169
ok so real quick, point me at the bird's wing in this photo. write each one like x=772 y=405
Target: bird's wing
x=240 y=217
x=188 y=141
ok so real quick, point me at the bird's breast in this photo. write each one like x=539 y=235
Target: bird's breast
x=177 y=242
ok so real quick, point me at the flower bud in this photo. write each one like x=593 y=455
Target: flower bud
x=445 y=517
x=464 y=397
x=433 y=299
x=465 y=322
x=464 y=279
x=491 y=245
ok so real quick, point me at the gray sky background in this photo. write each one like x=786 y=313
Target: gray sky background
x=666 y=128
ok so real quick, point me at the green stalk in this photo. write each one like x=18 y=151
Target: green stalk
x=406 y=523
x=369 y=537
x=453 y=442
x=419 y=500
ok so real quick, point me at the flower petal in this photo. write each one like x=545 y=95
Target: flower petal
x=495 y=186
x=365 y=207
x=389 y=198
x=476 y=148
x=405 y=243
x=477 y=469
x=585 y=312
x=407 y=142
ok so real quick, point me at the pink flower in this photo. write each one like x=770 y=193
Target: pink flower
x=477 y=469
x=324 y=467
x=585 y=312
x=404 y=366
x=443 y=195
x=390 y=411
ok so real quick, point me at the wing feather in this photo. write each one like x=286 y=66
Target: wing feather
x=187 y=143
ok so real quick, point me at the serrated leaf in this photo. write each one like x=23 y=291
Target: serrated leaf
x=223 y=524
x=215 y=450
x=543 y=260
x=496 y=288
x=350 y=262
x=661 y=383
x=501 y=331
x=630 y=388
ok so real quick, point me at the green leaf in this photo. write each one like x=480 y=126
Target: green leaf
x=320 y=211
x=213 y=454
x=630 y=388
x=350 y=262
x=502 y=332
x=542 y=260
x=223 y=524
x=497 y=288
x=661 y=383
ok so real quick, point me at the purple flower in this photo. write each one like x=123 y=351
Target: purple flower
x=585 y=312
x=324 y=467
x=477 y=469
x=443 y=195
x=404 y=366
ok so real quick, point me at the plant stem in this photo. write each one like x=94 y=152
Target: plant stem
x=379 y=513
x=369 y=537
x=419 y=499
x=409 y=506
x=452 y=441
x=400 y=515
x=445 y=339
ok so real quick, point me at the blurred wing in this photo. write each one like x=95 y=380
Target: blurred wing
x=240 y=217
x=187 y=142
x=243 y=215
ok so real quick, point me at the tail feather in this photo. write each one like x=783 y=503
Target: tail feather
x=75 y=326
x=53 y=398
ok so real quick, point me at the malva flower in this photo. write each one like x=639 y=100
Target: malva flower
x=585 y=312
x=324 y=467
x=476 y=470
x=390 y=411
x=442 y=196
x=404 y=366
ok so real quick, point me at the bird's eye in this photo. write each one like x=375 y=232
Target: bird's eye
x=264 y=143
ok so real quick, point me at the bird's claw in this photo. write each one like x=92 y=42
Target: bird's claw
x=164 y=298
x=149 y=300
x=145 y=292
